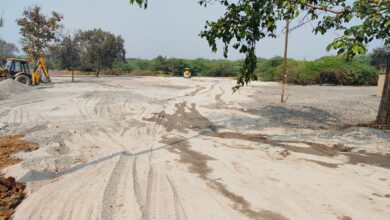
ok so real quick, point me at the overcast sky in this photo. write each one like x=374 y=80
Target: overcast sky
x=167 y=27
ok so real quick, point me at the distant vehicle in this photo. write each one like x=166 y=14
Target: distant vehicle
x=18 y=69
x=187 y=73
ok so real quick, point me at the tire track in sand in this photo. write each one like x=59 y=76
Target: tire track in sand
x=161 y=199
x=126 y=195
x=119 y=202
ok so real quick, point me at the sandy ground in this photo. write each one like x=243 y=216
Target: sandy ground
x=173 y=148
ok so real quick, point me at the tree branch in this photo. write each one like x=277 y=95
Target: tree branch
x=331 y=10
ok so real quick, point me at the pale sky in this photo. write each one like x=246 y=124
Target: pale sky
x=168 y=27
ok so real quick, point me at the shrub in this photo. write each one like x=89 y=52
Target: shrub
x=219 y=68
x=336 y=70
x=267 y=69
x=223 y=69
x=112 y=72
x=327 y=70
x=359 y=74
x=142 y=64
x=295 y=73
x=124 y=66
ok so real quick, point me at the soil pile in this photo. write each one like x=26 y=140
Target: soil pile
x=11 y=192
x=11 y=195
x=10 y=87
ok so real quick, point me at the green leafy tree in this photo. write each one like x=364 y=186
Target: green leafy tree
x=38 y=31
x=101 y=49
x=176 y=66
x=160 y=63
x=69 y=54
x=246 y=22
x=222 y=69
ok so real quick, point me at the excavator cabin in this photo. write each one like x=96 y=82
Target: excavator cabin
x=18 y=70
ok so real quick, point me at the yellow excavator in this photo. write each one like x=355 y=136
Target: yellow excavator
x=18 y=69
x=187 y=73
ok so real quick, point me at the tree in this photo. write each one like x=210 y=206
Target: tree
x=246 y=22
x=172 y=66
x=7 y=49
x=160 y=63
x=38 y=31
x=101 y=49
x=69 y=54
x=222 y=69
x=381 y=58
x=177 y=66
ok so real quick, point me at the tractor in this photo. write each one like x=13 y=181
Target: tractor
x=18 y=69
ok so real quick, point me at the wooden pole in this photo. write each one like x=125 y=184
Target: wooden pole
x=285 y=61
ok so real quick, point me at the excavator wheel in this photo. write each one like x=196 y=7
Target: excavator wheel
x=24 y=79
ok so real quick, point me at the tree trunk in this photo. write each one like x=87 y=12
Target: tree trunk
x=285 y=61
x=72 y=75
x=384 y=108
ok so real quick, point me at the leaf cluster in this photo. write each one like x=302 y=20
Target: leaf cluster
x=38 y=31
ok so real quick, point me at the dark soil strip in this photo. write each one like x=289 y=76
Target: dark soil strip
x=184 y=121
x=372 y=124
x=218 y=98
x=11 y=192
x=196 y=91
x=197 y=163
x=345 y=218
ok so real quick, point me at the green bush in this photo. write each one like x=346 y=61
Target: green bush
x=295 y=73
x=267 y=69
x=141 y=64
x=327 y=70
x=124 y=66
x=112 y=72
x=359 y=74
x=336 y=70
x=221 y=69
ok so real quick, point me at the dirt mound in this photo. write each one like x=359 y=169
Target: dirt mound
x=11 y=192
x=10 y=87
x=10 y=145
x=11 y=195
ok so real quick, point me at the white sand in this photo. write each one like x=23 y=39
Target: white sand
x=105 y=154
x=9 y=87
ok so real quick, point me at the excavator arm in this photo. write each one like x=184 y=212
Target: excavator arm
x=39 y=68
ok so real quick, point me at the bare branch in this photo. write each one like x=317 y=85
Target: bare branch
x=331 y=10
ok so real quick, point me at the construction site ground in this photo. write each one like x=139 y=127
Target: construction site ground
x=173 y=148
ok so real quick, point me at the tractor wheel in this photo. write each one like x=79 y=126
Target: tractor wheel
x=24 y=79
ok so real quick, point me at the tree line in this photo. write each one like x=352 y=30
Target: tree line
x=361 y=70
x=42 y=36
